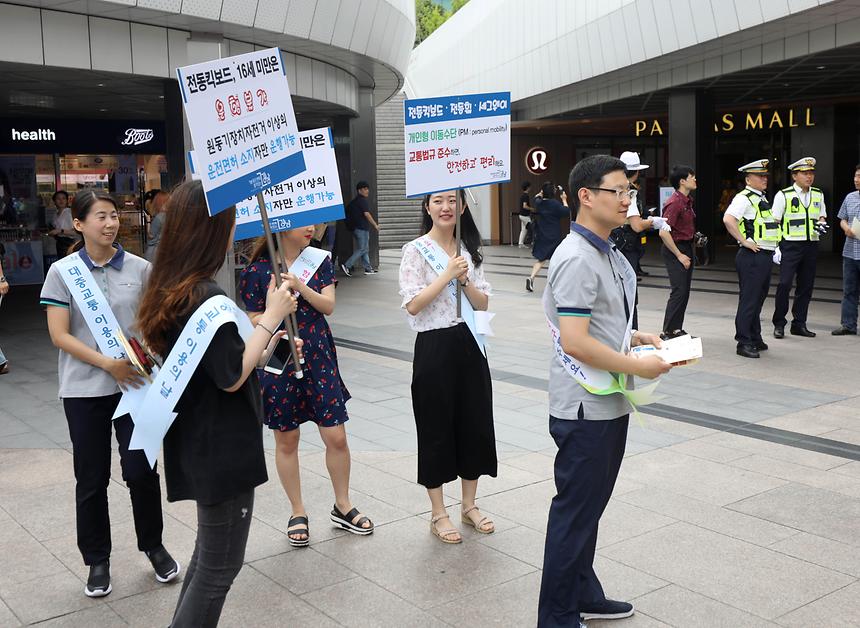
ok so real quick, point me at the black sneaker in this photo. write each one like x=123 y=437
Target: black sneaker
x=98 y=582
x=606 y=609
x=345 y=270
x=530 y=284
x=166 y=568
x=372 y=271
x=843 y=331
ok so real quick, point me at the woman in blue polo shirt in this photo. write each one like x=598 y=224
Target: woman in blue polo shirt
x=90 y=384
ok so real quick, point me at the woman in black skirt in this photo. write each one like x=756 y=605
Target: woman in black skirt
x=452 y=397
x=550 y=211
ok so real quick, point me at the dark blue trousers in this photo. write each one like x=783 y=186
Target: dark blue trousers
x=586 y=467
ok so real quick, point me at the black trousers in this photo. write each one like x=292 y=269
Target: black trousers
x=89 y=420
x=219 y=551
x=680 y=279
x=754 y=282
x=452 y=399
x=586 y=467
x=633 y=257
x=798 y=259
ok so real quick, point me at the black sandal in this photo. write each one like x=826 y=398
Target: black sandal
x=345 y=521
x=295 y=521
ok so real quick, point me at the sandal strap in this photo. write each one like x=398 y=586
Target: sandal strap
x=470 y=509
x=297 y=520
x=352 y=514
x=438 y=518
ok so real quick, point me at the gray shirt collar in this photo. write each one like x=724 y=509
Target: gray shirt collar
x=115 y=261
x=593 y=239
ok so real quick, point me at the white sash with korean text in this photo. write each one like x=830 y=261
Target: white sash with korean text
x=596 y=381
x=438 y=260
x=152 y=411
x=92 y=303
x=307 y=263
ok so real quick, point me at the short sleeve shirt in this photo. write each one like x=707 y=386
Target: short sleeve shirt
x=523 y=209
x=357 y=208
x=121 y=281
x=850 y=210
x=741 y=209
x=588 y=277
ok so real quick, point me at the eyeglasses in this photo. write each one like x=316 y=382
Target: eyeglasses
x=619 y=194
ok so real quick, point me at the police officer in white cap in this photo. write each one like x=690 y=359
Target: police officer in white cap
x=803 y=217
x=749 y=220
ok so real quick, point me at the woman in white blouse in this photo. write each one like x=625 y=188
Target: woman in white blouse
x=452 y=396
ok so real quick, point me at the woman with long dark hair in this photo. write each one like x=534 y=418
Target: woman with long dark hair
x=100 y=281
x=319 y=397
x=213 y=451
x=452 y=396
x=549 y=211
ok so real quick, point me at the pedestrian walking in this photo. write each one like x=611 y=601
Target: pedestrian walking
x=749 y=220
x=677 y=249
x=213 y=451
x=588 y=303
x=550 y=211
x=64 y=232
x=525 y=213
x=802 y=213
x=849 y=216
x=452 y=396
x=359 y=220
x=320 y=396
x=97 y=283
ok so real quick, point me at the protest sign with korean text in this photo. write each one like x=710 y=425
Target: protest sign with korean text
x=241 y=118
x=309 y=198
x=457 y=142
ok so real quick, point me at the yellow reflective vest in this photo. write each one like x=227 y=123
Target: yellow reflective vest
x=798 y=222
x=765 y=228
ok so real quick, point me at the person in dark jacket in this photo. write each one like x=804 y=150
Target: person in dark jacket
x=549 y=211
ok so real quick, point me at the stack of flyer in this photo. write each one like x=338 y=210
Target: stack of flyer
x=677 y=351
x=855 y=227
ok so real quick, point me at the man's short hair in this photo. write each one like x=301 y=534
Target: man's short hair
x=589 y=173
x=678 y=174
x=361 y=185
x=857 y=167
x=526 y=185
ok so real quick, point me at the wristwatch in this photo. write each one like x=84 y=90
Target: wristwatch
x=2 y=279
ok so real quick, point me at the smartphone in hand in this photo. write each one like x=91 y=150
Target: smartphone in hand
x=280 y=358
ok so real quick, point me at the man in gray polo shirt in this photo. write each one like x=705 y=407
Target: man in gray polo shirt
x=589 y=300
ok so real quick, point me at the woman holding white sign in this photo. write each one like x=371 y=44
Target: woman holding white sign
x=90 y=295
x=452 y=396
x=213 y=451
x=319 y=397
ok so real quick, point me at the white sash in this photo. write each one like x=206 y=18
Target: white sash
x=596 y=381
x=438 y=261
x=307 y=263
x=151 y=407
x=93 y=305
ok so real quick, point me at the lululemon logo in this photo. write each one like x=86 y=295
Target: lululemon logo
x=537 y=160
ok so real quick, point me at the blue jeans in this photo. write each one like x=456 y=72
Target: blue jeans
x=850 y=281
x=362 y=248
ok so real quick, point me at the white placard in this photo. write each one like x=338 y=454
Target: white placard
x=457 y=142
x=309 y=198
x=665 y=193
x=241 y=118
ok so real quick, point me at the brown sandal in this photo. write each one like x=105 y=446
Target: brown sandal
x=479 y=527
x=444 y=535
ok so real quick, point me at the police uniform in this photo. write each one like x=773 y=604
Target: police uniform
x=756 y=222
x=798 y=213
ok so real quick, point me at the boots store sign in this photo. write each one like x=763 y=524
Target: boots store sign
x=19 y=135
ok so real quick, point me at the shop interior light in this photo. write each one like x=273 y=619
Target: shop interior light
x=821 y=67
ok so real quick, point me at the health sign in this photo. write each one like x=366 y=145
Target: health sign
x=457 y=142
x=309 y=198
x=243 y=125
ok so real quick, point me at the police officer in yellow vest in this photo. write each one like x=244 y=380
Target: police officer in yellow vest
x=749 y=220
x=802 y=214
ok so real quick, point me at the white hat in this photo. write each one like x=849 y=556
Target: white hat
x=759 y=166
x=631 y=160
x=804 y=163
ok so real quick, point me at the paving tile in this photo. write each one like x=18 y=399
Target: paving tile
x=695 y=477
x=680 y=607
x=716 y=518
x=7 y=617
x=102 y=616
x=823 y=513
x=303 y=571
x=820 y=551
x=16 y=473
x=837 y=610
x=775 y=450
x=499 y=605
x=795 y=472
x=359 y=602
x=621 y=521
x=530 y=503
x=708 y=451
x=55 y=595
x=742 y=575
x=468 y=567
